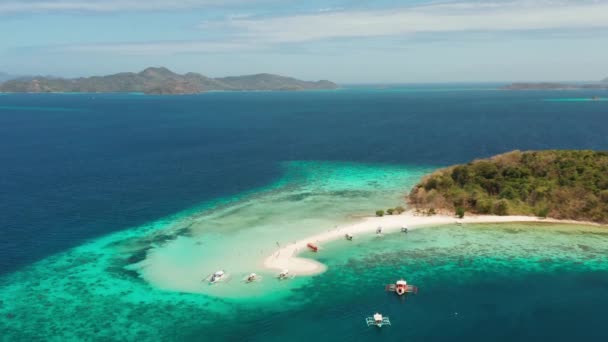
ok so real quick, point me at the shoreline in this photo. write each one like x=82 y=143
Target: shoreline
x=287 y=257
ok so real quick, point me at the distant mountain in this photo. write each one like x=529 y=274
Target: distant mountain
x=159 y=81
x=5 y=77
x=553 y=86
x=272 y=82
x=605 y=80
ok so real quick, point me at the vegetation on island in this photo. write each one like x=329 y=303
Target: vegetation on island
x=159 y=81
x=558 y=184
x=390 y=211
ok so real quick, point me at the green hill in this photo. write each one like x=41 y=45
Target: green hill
x=158 y=81
x=559 y=184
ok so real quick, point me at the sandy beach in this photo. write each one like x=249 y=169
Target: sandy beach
x=287 y=256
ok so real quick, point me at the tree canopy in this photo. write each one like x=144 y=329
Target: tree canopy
x=559 y=184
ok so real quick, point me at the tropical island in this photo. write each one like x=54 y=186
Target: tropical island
x=160 y=80
x=568 y=185
x=525 y=187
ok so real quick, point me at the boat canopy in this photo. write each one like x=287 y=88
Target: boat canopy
x=218 y=273
x=401 y=282
x=377 y=317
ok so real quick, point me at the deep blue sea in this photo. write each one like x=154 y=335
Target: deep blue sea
x=74 y=167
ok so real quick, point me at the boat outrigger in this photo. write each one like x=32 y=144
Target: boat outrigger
x=401 y=287
x=348 y=237
x=377 y=320
x=313 y=247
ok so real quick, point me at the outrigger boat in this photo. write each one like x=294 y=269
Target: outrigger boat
x=379 y=230
x=284 y=275
x=401 y=287
x=313 y=247
x=377 y=320
x=348 y=237
x=217 y=277
x=253 y=277
x=404 y=229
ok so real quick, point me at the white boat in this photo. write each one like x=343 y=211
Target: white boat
x=378 y=320
x=252 y=277
x=284 y=275
x=348 y=237
x=217 y=277
x=379 y=230
x=404 y=229
x=401 y=287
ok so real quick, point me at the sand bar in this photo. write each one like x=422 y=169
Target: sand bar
x=286 y=257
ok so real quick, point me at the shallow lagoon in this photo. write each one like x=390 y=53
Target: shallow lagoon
x=499 y=282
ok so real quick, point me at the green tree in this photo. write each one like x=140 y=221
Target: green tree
x=379 y=213
x=460 y=175
x=460 y=212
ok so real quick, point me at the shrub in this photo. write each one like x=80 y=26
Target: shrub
x=485 y=169
x=604 y=196
x=431 y=212
x=390 y=211
x=379 y=213
x=508 y=192
x=399 y=209
x=460 y=175
x=484 y=206
x=460 y=212
x=542 y=212
x=501 y=207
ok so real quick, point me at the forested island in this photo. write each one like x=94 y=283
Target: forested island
x=558 y=184
x=160 y=81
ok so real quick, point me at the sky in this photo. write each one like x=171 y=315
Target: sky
x=346 y=41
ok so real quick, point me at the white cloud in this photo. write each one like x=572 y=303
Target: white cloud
x=451 y=17
x=248 y=33
x=28 y=6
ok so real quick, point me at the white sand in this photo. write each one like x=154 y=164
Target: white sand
x=286 y=257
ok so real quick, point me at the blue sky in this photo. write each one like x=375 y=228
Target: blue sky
x=347 y=41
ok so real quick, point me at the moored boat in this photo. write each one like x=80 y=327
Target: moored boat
x=312 y=247
x=401 y=287
x=284 y=274
x=217 y=277
x=252 y=277
x=378 y=320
